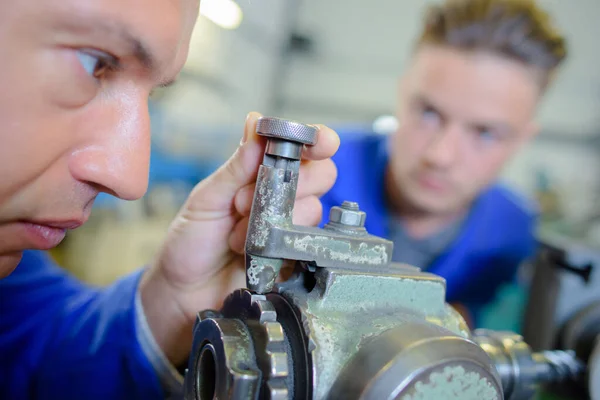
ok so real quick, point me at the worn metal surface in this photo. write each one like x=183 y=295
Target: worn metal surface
x=345 y=308
x=272 y=237
x=418 y=360
x=272 y=207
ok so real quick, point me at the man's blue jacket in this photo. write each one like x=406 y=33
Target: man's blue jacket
x=61 y=339
x=496 y=237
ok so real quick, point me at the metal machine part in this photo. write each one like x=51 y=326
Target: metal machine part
x=563 y=309
x=348 y=324
x=306 y=341
x=521 y=370
x=272 y=237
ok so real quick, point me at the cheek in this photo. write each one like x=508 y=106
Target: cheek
x=34 y=133
x=30 y=147
x=410 y=142
x=41 y=92
x=483 y=167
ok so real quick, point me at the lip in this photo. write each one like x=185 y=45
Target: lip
x=66 y=224
x=432 y=184
x=44 y=235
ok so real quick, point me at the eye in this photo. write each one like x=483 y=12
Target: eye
x=96 y=64
x=485 y=134
x=428 y=114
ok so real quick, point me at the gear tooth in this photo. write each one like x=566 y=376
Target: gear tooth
x=265 y=310
x=239 y=296
x=202 y=315
x=257 y=297
x=277 y=390
x=262 y=309
x=246 y=296
x=275 y=336
x=279 y=365
x=268 y=316
x=311 y=345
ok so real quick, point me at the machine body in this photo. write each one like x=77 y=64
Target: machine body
x=348 y=324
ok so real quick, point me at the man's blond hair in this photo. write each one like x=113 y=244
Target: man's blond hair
x=517 y=29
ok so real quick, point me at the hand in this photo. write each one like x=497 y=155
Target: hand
x=201 y=261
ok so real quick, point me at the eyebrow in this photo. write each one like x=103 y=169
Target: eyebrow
x=501 y=126
x=135 y=46
x=140 y=51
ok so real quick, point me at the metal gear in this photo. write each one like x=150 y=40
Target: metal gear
x=270 y=340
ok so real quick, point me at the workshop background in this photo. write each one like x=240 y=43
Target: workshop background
x=334 y=62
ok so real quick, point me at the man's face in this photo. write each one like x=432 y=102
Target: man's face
x=461 y=116
x=75 y=78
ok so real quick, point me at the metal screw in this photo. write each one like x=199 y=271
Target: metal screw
x=348 y=214
x=350 y=205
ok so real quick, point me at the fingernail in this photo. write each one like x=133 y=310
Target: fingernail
x=246 y=127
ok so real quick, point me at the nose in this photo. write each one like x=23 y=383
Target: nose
x=115 y=156
x=444 y=148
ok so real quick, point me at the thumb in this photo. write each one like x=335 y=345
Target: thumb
x=217 y=192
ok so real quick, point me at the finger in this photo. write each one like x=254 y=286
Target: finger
x=237 y=238
x=307 y=211
x=327 y=144
x=243 y=199
x=316 y=178
x=216 y=193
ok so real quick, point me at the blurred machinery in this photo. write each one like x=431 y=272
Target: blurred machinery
x=563 y=309
x=348 y=324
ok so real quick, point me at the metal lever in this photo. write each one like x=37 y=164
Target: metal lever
x=272 y=237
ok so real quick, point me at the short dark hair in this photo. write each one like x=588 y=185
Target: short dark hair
x=517 y=29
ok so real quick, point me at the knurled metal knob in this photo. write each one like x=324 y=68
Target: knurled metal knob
x=284 y=129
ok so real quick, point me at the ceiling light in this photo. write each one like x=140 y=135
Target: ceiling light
x=225 y=13
x=385 y=124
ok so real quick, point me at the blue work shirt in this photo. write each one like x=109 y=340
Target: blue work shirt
x=62 y=339
x=496 y=237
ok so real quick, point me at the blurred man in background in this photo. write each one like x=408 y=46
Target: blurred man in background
x=466 y=104
x=75 y=78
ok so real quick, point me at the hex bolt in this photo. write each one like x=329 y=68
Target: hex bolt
x=348 y=215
